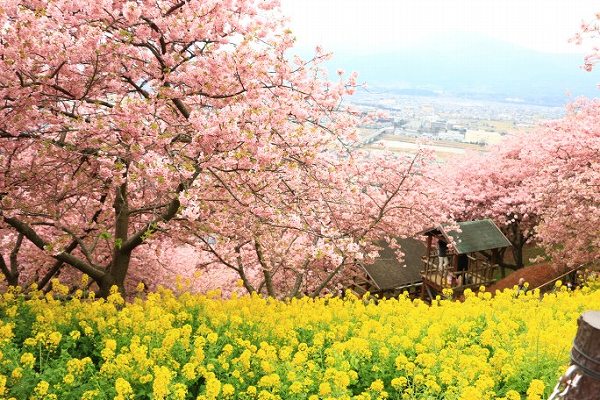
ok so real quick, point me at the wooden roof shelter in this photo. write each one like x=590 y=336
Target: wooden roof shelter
x=467 y=263
x=474 y=236
x=388 y=277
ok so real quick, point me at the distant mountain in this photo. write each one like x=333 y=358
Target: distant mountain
x=472 y=66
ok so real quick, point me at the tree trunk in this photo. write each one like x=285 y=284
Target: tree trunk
x=518 y=242
x=104 y=285
x=11 y=280
x=121 y=257
x=265 y=268
x=11 y=271
x=518 y=254
x=297 y=285
x=585 y=354
x=119 y=268
x=497 y=257
x=269 y=282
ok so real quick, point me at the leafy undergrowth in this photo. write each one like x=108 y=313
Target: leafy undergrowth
x=185 y=346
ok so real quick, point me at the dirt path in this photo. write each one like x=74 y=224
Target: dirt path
x=536 y=275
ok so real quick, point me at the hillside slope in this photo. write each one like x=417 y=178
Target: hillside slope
x=536 y=275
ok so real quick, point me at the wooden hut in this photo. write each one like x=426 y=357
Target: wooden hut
x=387 y=277
x=469 y=254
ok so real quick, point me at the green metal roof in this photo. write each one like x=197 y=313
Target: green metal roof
x=474 y=236
x=387 y=273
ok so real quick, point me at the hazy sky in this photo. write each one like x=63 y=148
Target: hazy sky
x=370 y=26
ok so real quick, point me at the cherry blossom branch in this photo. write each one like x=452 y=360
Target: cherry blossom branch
x=63 y=256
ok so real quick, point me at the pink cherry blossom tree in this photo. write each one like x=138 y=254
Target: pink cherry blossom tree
x=491 y=185
x=566 y=185
x=116 y=113
x=329 y=223
x=130 y=127
x=539 y=186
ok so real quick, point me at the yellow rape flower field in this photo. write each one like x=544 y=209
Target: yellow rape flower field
x=186 y=346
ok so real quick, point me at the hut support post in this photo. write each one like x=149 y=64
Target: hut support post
x=430 y=293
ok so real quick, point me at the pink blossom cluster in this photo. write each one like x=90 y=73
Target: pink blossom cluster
x=589 y=32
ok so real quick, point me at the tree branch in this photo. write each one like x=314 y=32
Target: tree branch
x=174 y=8
x=56 y=266
x=245 y=281
x=63 y=256
x=266 y=270
x=81 y=244
x=5 y=269
x=13 y=256
x=323 y=284
x=172 y=208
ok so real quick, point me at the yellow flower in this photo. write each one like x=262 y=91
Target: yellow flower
x=6 y=332
x=179 y=391
x=377 y=385
x=90 y=394
x=536 y=390
x=296 y=388
x=41 y=389
x=11 y=312
x=59 y=288
x=189 y=371
x=17 y=373
x=513 y=395
x=341 y=379
x=69 y=379
x=269 y=381
x=399 y=382
x=212 y=337
x=227 y=390
x=251 y=390
x=160 y=386
x=471 y=393
x=123 y=388
x=28 y=360
x=115 y=296
x=110 y=344
x=251 y=347
x=213 y=388
x=324 y=389
x=54 y=338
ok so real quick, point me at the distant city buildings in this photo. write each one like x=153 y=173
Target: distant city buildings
x=443 y=121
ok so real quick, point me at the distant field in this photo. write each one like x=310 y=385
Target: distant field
x=406 y=144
